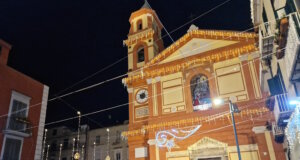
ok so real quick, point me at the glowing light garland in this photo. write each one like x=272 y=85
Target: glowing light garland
x=292 y=130
x=162 y=140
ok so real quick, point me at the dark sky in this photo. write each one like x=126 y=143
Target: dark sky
x=60 y=42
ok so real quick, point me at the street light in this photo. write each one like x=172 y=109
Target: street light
x=78 y=136
x=60 y=148
x=233 y=109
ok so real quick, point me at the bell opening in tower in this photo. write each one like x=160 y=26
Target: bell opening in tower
x=141 y=55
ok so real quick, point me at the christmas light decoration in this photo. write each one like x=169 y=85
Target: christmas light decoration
x=212 y=57
x=162 y=140
x=192 y=121
x=292 y=130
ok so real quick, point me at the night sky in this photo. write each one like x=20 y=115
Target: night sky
x=60 y=42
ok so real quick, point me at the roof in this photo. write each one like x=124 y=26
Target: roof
x=146 y=5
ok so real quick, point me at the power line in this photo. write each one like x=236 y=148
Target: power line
x=168 y=33
x=103 y=110
x=121 y=105
x=94 y=85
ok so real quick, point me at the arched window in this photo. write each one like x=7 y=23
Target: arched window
x=140 y=55
x=200 y=92
x=139 y=25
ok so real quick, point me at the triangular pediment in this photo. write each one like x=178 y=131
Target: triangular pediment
x=207 y=143
x=196 y=42
x=197 y=46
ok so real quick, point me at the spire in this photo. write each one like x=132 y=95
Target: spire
x=146 y=5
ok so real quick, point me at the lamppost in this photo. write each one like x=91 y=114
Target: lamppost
x=82 y=152
x=107 y=157
x=94 y=150
x=60 y=148
x=44 y=143
x=233 y=109
x=47 y=152
x=77 y=154
x=73 y=148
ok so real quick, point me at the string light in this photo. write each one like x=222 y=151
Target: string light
x=162 y=140
x=292 y=130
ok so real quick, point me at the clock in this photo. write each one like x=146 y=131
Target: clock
x=141 y=96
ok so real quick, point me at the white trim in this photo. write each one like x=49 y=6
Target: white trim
x=39 y=140
x=118 y=151
x=11 y=137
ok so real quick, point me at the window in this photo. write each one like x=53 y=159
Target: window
x=97 y=139
x=66 y=143
x=54 y=132
x=18 y=112
x=141 y=55
x=200 y=93
x=139 y=25
x=118 y=154
x=12 y=148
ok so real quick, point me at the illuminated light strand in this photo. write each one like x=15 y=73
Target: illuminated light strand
x=293 y=129
x=191 y=121
x=162 y=140
x=216 y=57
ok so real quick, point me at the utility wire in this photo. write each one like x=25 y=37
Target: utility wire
x=121 y=105
x=168 y=33
x=94 y=85
x=87 y=114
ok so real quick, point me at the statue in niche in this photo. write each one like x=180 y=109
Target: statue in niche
x=200 y=90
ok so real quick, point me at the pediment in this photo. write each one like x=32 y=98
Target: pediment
x=197 y=46
x=199 y=41
x=207 y=143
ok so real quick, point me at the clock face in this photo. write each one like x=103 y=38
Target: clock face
x=142 y=96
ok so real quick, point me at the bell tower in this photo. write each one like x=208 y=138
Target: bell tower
x=144 y=38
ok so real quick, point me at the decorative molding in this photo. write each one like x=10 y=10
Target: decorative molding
x=151 y=142
x=259 y=129
x=243 y=148
x=129 y=90
x=157 y=79
x=149 y=81
x=177 y=154
x=243 y=57
x=206 y=143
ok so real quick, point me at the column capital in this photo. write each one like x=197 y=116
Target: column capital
x=157 y=79
x=259 y=129
x=129 y=90
x=149 y=81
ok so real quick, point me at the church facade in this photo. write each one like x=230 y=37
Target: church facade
x=171 y=90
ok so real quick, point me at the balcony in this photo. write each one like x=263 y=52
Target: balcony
x=282 y=110
x=16 y=126
x=292 y=59
x=278 y=133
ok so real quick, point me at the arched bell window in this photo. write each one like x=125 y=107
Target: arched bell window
x=200 y=92
x=141 y=55
x=139 y=25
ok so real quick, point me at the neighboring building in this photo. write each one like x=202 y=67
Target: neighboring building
x=279 y=41
x=65 y=136
x=23 y=104
x=92 y=146
x=171 y=115
x=118 y=147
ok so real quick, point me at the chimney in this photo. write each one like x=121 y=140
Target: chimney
x=4 y=52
